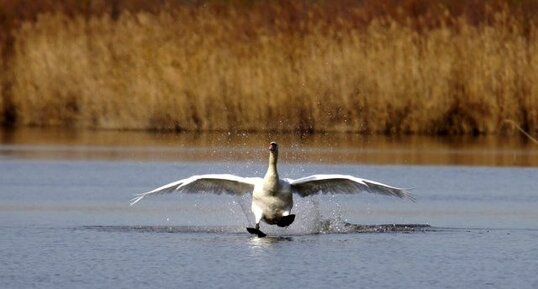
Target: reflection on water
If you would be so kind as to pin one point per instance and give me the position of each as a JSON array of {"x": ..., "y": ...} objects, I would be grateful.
[{"x": 323, "y": 148}]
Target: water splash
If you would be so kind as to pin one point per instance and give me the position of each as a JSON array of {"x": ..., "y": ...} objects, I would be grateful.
[{"x": 245, "y": 202}]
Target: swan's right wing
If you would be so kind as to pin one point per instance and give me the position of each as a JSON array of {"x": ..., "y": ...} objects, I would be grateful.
[{"x": 217, "y": 184}]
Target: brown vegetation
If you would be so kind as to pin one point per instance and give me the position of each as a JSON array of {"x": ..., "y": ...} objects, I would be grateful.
[{"x": 412, "y": 66}]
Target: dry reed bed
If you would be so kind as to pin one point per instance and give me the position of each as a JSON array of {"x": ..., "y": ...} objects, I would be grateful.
[{"x": 195, "y": 71}]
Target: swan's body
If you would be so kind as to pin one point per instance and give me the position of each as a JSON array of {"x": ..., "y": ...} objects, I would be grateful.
[{"x": 272, "y": 197}]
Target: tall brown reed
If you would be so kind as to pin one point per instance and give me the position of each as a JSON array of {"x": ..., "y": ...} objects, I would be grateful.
[{"x": 230, "y": 68}]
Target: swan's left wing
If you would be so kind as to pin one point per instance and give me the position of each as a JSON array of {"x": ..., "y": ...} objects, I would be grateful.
[
  {"x": 217, "y": 184},
  {"x": 343, "y": 184}
]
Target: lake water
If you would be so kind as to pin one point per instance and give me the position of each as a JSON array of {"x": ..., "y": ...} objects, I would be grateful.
[{"x": 65, "y": 220}]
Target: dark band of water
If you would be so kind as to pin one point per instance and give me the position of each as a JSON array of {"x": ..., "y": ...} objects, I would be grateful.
[{"x": 326, "y": 228}]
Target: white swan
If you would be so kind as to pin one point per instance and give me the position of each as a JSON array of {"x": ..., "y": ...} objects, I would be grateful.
[{"x": 272, "y": 197}]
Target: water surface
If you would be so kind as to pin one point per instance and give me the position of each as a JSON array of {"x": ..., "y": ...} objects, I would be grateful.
[{"x": 65, "y": 221}]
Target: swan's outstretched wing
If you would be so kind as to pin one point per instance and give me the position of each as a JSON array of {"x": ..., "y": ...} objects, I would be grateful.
[
  {"x": 217, "y": 184},
  {"x": 343, "y": 184}
]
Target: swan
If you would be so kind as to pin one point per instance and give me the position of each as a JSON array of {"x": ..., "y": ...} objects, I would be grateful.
[{"x": 272, "y": 197}]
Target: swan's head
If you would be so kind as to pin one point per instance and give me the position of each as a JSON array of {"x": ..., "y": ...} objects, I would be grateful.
[{"x": 273, "y": 147}]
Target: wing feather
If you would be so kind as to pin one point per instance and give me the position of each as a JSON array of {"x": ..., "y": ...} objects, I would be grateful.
[
  {"x": 343, "y": 184},
  {"x": 216, "y": 183}
]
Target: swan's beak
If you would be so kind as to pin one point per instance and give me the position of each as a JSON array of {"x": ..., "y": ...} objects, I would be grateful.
[{"x": 273, "y": 147}]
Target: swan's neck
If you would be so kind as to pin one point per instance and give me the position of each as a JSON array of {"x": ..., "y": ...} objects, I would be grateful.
[{"x": 272, "y": 174}]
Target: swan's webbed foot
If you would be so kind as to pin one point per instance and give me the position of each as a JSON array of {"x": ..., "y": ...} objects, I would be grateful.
[
  {"x": 256, "y": 231},
  {"x": 286, "y": 221}
]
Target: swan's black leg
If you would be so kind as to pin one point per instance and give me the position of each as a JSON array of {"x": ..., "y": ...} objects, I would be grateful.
[
  {"x": 286, "y": 221},
  {"x": 256, "y": 231}
]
